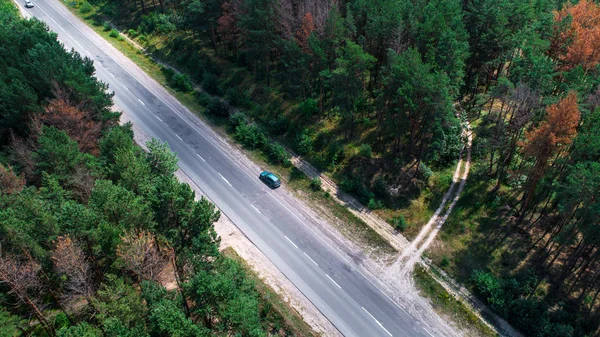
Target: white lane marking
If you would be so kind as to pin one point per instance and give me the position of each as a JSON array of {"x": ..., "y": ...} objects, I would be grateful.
[
  {"x": 199, "y": 156},
  {"x": 227, "y": 181},
  {"x": 256, "y": 209},
  {"x": 330, "y": 279},
  {"x": 113, "y": 75},
  {"x": 335, "y": 250},
  {"x": 141, "y": 102},
  {"x": 430, "y": 334},
  {"x": 158, "y": 118},
  {"x": 185, "y": 118},
  {"x": 376, "y": 321},
  {"x": 180, "y": 139},
  {"x": 292, "y": 242},
  {"x": 313, "y": 261},
  {"x": 302, "y": 222},
  {"x": 125, "y": 87}
]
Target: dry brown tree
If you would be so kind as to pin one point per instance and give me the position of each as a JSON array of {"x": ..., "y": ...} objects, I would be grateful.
[
  {"x": 70, "y": 260},
  {"x": 22, "y": 278},
  {"x": 9, "y": 181},
  {"x": 142, "y": 255}
]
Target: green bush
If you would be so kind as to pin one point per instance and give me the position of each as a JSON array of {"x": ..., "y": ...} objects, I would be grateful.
[
  {"x": 296, "y": 174},
  {"x": 444, "y": 262},
  {"x": 250, "y": 136},
  {"x": 424, "y": 172},
  {"x": 315, "y": 184},
  {"x": 304, "y": 143},
  {"x": 168, "y": 72},
  {"x": 133, "y": 33},
  {"x": 237, "y": 118},
  {"x": 106, "y": 26},
  {"x": 85, "y": 8},
  {"x": 278, "y": 125},
  {"x": 356, "y": 187},
  {"x": 182, "y": 82},
  {"x": 238, "y": 97},
  {"x": 203, "y": 98},
  {"x": 375, "y": 204},
  {"x": 114, "y": 33},
  {"x": 335, "y": 155},
  {"x": 365, "y": 151},
  {"x": 309, "y": 107},
  {"x": 380, "y": 187},
  {"x": 399, "y": 223},
  {"x": 210, "y": 83},
  {"x": 217, "y": 107},
  {"x": 276, "y": 153}
]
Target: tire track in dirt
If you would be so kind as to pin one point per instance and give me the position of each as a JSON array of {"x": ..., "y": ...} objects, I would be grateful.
[{"x": 398, "y": 276}]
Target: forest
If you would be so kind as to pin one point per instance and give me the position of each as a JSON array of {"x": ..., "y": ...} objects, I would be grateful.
[
  {"x": 98, "y": 237},
  {"x": 376, "y": 94}
]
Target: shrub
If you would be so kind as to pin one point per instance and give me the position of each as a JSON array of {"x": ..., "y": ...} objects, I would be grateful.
[
  {"x": 309, "y": 107},
  {"x": 375, "y": 204},
  {"x": 277, "y": 154},
  {"x": 399, "y": 223},
  {"x": 304, "y": 143},
  {"x": 296, "y": 174},
  {"x": 358, "y": 189},
  {"x": 114, "y": 33},
  {"x": 315, "y": 184},
  {"x": 133, "y": 33},
  {"x": 380, "y": 187},
  {"x": 322, "y": 139},
  {"x": 210, "y": 83},
  {"x": 490, "y": 287},
  {"x": 236, "y": 119},
  {"x": 365, "y": 151},
  {"x": 106, "y": 26},
  {"x": 445, "y": 262},
  {"x": 217, "y": 107},
  {"x": 238, "y": 97},
  {"x": 203, "y": 98},
  {"x": 182, "y": 82},
  {"x": 168, "y": 72},
  {"x": 85, "y": 8},
  {"x": 278, "y": 125},
  {"x": 425, "y": 172},
  {"x": 250, "y": 136},
  {"x": 335, "y": 155}
]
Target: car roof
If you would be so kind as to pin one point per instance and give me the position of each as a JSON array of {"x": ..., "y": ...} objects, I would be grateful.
[{"x": 272, "y": 176}]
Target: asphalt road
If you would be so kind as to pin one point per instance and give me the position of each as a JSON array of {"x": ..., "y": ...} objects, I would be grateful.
[{"x": 331, "y": 281}]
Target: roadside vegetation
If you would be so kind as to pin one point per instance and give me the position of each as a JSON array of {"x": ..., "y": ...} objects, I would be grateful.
[
  {"x": 98, "y": 237},
  {"x": 373, "y": 93},
  {"x": 447, "y": 305}
]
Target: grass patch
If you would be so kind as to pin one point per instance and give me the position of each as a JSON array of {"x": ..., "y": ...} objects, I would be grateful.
[
  {"x": 279, "y": 311},
  {"x": 447, "y": 305}
]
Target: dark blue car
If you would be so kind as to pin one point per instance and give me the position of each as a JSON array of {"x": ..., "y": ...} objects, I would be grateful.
[{"x": 270, "y": 179}]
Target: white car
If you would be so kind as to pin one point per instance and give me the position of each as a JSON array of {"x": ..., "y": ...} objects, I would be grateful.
[{"x": 28, "y": 4}]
